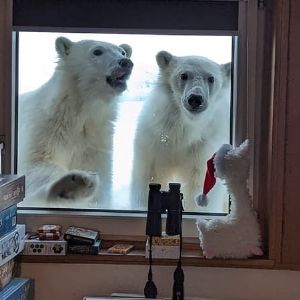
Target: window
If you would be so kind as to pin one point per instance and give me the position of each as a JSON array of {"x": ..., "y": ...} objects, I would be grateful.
[
  {"x": 267, "y": 33},
  {"x": 37, "y": 61},
  {"x": 221, "y": 19}
]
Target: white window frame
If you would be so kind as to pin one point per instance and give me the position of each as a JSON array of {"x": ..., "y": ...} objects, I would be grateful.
[{"x": 246, "y": 124}]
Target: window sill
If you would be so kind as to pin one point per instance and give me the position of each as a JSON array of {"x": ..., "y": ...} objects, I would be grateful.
[
  {"x": 128, "y": 229},
  {"x": 137, "y": 257}
]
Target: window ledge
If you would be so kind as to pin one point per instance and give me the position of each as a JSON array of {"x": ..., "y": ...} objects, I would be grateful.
[{"x": 137, "y": 257}]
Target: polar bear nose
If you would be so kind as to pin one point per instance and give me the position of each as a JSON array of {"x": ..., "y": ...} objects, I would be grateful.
[
  {"x": 125, "y": 63},
  {"x": 195, "y": 101}
]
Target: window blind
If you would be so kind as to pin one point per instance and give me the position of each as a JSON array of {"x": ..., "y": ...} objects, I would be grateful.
[{"x": 126, "y": 14}]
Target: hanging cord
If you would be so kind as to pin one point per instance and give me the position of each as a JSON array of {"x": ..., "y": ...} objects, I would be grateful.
[
  {"x": 150, "y": 261},
  {"x": 178, "y": 288},
  {"x": 150, "y": 290}
]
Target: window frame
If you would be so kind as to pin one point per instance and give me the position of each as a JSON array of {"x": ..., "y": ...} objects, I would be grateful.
[
  {"x": 239, "y": 46},
  {"x": 249, "y": 88}
]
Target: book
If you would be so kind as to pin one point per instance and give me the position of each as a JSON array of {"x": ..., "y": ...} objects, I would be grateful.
[
  {"x": 8, "y": 220},
  {"x": 12, "y": 244},
  {"x": 85, "y": 249},
  {"x": 80, "y": 235},
  {"x": 49, "y": 228},
  {"x": 12, "y": 190},
  {"x": 120, "y": 249},
  {"x": 17, "y": 289},
  {"x": 50, "y": 236},
  {"x": 6, "y": 271}
]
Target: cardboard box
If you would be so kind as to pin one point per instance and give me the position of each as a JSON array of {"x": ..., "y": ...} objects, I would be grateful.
[
  {"x": 44, "y": 247},
  {"x": 6, "y": 273},
  {"x": 12, "y": 244},
  {"x": 8, "y": 220},
  {"x": 164, "y": 247},
  {"x": 18, "y": 289},
  {"x": 12, "y": 190},
  {"x": 166, "y": 240}
]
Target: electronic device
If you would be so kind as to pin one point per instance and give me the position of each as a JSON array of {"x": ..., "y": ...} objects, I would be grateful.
[
  {"x": 37, "y": 247},
  {"x": 80, "y": 235},
  {"x": 85, "y": 249}
]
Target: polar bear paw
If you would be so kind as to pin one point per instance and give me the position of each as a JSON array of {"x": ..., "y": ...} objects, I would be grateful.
[{"x": 74, "y": 185}]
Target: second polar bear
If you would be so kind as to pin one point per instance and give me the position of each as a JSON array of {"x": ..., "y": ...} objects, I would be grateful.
[
  {"x": 66, "y": 126},
  {"x": 181, "y": 124}
]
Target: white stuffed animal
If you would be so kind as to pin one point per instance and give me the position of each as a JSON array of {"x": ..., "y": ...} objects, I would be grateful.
[{"x": 238, "y": 235}]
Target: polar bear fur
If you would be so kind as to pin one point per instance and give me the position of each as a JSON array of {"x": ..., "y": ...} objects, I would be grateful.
[
  {"x": 66, "y": 126},
  {"x": 184, "y": 120}
]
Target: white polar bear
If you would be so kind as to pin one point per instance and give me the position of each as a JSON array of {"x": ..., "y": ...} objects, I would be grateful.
[
  {"x": 66, "y": 126},
  {"x": 181, "y": 124}
]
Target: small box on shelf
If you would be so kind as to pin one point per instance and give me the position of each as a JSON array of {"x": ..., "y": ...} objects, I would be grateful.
[{"x": 166, "y": 246}]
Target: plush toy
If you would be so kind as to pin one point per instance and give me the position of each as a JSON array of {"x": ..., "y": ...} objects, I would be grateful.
[{"x": 238, "y": 234}]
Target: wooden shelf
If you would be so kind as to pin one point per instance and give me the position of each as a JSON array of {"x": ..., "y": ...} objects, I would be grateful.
[{"x": 137, "y": 257}]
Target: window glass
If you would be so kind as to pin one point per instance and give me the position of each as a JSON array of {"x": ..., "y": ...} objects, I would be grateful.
[{"x": 188, "y": 127}]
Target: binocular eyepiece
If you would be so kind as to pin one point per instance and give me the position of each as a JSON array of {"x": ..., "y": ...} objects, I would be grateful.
[{"x": 161, "y": 202}]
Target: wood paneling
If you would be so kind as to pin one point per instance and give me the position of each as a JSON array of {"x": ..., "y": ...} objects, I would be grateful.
[
  {"x": 5, "y": 75},
  {"x": 291, "y": 224},
  {"x": 275, "y": 197}
]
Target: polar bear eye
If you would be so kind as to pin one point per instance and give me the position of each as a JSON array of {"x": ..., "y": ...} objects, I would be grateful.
[
  {"x": 123, "y": 53},
  {"x": 97, "y": 52},
  {"x": 211, "y": 79},
  {"x": 183, "y": 76}
]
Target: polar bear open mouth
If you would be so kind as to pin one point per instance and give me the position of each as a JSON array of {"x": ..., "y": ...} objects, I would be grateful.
[{"x": 118, "y": 79}]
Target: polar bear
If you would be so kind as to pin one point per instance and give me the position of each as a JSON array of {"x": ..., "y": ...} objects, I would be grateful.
[
  {"x": 66, "y": 126},
  {"x": 181, "y": 124}
]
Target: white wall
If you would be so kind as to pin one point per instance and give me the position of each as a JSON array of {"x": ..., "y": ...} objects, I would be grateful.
[{"x": 73, "y": 281}]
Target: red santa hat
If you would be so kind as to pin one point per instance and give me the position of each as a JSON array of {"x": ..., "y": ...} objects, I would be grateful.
[{"x": 209, "y": 182}]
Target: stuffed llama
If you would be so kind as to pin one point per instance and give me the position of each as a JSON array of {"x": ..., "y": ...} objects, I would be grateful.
[{"x": 238, "y": 235}]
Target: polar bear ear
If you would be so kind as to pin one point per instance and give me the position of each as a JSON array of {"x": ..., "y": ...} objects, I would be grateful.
[
  {"x": 163, "y": 59},
  {"x": 227, "y": 70},
  {"x": 63, "y": 46},
  {"x": 127, "y": 49}
]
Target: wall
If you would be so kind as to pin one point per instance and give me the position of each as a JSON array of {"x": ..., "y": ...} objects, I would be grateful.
[{"x": 72, "y": 282}]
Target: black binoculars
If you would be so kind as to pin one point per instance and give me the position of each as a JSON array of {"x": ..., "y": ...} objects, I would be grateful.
[{"x": 161, "y": 202}]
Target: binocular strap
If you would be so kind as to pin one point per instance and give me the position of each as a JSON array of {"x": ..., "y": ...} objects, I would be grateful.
[
  {"x": 178, "y": 288},
  {"x": 150, "y": 290}
]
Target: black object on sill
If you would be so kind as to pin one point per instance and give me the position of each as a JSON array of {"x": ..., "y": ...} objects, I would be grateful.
[
  {"x": 161, "y": 202},
  {"x": 150, "y": 290}
]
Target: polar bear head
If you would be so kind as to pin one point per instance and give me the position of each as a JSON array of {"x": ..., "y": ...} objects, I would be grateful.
[
  {"x": 98, "y": 67},
  {"x": 196, "y": 82}
]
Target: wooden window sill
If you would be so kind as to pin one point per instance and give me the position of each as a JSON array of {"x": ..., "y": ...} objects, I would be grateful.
[
  {"x": 137, "y": 257},
  {"x": 191, "y": 256}
]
